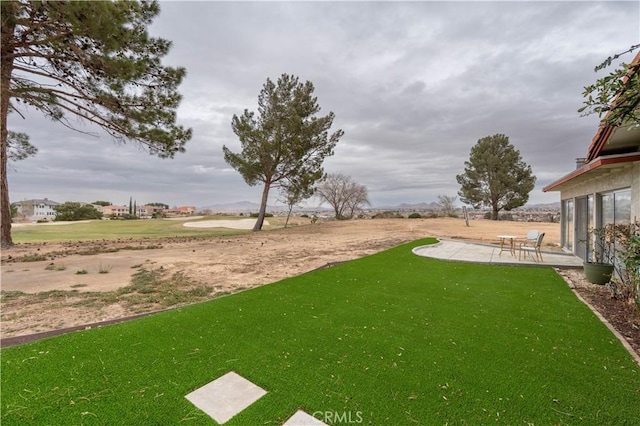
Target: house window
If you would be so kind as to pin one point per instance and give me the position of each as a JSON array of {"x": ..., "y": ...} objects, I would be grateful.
[
  {"x": 567, "y": 228},
  {"x": 616, "y": 207}
]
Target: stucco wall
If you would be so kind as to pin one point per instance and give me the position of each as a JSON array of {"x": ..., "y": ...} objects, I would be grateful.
[{"x": 628, "y": 176}]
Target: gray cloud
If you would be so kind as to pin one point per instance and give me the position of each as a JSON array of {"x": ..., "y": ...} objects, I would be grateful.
[{"x": 414, "y": 85}]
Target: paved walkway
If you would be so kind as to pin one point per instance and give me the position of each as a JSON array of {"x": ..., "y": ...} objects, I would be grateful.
[{"x": 486, "y": 253}]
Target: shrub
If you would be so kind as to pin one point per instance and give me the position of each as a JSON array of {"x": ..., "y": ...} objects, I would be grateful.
[
  {"x": 104, "y": 269},
  {"x": 257, "y": 214},
  {"x": 506, "y": 216},
  {"x": 625, "y": 240},
  {"x": 53, "y": 267},
  {"x": 415, "y": 216},
  {"x": 388, "y": 215}
]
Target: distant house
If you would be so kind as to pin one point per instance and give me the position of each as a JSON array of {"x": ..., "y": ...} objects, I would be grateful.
[
  {"x": 115, "y": 211},
  {"x": 182, "y": 211},
  {"x": 604, "y": 188},
  {"x": 35, "y": 210},
  {"x": 152, "y": 210}
]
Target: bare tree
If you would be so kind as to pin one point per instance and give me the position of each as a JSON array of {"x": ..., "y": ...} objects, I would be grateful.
[
  {"x": 447, "y": 204},
  {"x": 296, "y": 190},
  {"x": 343, "y": 194}
]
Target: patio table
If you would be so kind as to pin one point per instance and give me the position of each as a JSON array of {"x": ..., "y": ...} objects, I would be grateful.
[{"x": 510, "y": 246}]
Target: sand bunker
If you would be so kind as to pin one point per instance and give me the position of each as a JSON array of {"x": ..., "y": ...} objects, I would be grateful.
[
  {"x": 233, "y": 224},
  {"x": 184, "y": 218}
]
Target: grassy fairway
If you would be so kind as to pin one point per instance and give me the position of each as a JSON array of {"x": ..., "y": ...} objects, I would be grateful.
[
  {"x": 393, "y": 338},
  {"x": 114, "y": 229}
]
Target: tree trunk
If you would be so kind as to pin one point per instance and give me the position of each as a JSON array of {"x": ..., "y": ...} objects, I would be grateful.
[
  {"x": 288, "y": 215},
  {"x": 494, "y": 214},
  {"x": 263, "y": 207},
  {"x": 6, "y": 69}
]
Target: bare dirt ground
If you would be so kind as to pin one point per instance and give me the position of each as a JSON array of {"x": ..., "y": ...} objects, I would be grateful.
[{"x": 52, "y": 286}]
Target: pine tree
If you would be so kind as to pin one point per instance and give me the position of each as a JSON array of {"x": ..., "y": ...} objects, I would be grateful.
[
  {"x": 286, "y": 143},
  {"x": 89, "y": 60},
  {"x": 495, "y": 176}
]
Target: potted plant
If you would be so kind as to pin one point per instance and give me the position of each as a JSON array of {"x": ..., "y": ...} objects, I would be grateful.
[{"x": 599, "y": 266}]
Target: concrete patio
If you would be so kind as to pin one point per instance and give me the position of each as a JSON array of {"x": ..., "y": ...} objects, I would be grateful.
[{"x": 486, "y": 253}]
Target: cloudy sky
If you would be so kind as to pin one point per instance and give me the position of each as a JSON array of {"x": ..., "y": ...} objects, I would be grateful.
[{"x": 413, "y": 85}]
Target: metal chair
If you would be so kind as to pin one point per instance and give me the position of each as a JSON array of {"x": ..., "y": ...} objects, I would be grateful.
[
  {"x": 531, "y": 238},
  {"x": 535, "y": 250}
]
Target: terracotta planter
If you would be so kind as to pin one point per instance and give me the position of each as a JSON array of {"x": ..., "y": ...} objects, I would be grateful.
[{"x": 598, "y": 273}]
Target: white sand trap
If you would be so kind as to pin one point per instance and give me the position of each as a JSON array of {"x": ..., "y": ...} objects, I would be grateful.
[
  {"x": 184, "y": 218},
  {"x": 300, "y": 418},
  {"x": 233, "y": 224},
  {"x": 226, "y": 396}
]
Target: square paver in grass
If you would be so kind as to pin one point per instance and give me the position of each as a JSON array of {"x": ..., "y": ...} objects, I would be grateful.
[
  {"x": 226, "y": 396},
  {"x": 300, "y": 418}
]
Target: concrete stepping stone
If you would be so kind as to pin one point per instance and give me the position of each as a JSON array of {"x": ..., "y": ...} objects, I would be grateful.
[
  {"x": 226, "y": 396},
  {"x": 300, "y": 418}
]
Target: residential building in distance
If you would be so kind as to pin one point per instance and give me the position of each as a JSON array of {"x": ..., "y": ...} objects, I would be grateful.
[
  {"x": 181, "y": 211},
  {"x": 115, "y": 211},
  {"x": 152, "y": 211},
  {"x": 37, "y": 209}
]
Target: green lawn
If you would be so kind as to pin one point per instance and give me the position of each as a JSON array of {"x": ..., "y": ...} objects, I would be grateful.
[
  {"x": 391, "y": 338},
  {"x": 114, "y": 229}
]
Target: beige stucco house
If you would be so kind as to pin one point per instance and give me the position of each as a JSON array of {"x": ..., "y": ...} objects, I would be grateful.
[{"x": 604, "y": 188}]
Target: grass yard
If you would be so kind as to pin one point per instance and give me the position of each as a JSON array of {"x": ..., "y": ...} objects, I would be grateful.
[
  {"x": 114, "y": 229},
  {"x": 390, "y": 339}
]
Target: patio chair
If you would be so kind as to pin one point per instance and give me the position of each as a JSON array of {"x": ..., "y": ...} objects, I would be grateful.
[
  {"x": 535, "y": 250},
  {"x": 530, "y": 239}
]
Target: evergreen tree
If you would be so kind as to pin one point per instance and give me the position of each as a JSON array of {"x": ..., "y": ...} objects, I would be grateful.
[
  {"x": 89, "y": 60},
  {"x": 495, "y": 176},
  {"x": 286, "y": 143},
  {"x": 76, "y": 211},
  {"x": 19, "y": 147}
]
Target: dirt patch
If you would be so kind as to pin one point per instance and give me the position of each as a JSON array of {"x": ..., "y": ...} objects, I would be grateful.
[{"x": 223, "y": 264}]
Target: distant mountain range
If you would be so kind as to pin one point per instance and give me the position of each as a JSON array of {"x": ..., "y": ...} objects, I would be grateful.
[{"x": 250, "y": 207}]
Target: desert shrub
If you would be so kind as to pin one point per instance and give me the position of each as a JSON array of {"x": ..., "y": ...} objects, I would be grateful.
[
  {"x": 503, "y": 216},
  {"x": 388, "y": 215},
  {"x": 53, "y": 267},
  {"x": 257, "y": 214},
  {"x": 304, "y": 215},
  {"x": 625, "y": 239},
  {"x": 415, "y": 216},
  {"x": 32, "y": 258},
  {"x": 432, "y": 215}
]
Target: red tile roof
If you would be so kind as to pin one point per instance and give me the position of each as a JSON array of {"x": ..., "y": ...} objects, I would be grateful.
[{"x": 604, "y": 131}]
